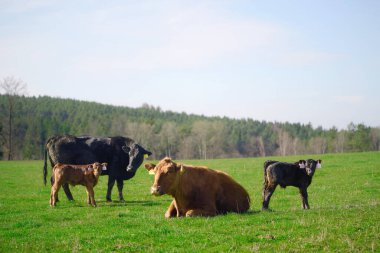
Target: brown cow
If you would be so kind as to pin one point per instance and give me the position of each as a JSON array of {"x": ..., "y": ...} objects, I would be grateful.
[
  {"x": 86, "y": 175},
  {"x": 197, "y": 191}
]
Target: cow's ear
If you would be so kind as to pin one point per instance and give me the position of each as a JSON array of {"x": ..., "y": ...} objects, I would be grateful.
[
  {"x": 167, "y": 159},
  {"x": 145, "y": 152},
  {"x": 181, "y": 169},
  {"x": 319, "y": 164},
  {"x": 149, "y": 166}
]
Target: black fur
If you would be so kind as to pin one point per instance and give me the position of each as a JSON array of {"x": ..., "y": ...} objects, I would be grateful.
[{"x": 288, "y": 174}]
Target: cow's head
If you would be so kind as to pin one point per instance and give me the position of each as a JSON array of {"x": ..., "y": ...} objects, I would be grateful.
[
  {"x": 311, "y": 165},
  {"x": 136, "y": 155},
  {"x": 98, "y": 167},
  {"x": 165, "y": 176},
  {"x": 302, "y": 164}
]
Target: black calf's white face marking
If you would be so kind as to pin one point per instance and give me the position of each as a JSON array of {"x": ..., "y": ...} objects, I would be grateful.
[{"x": 311, "y": 165}]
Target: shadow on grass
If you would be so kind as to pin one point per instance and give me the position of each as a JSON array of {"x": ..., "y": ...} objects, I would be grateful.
[
  {"x": 129, "y": 203},
  {"x": 103, "y": 203},
  {"x": 251, "y": 212}
]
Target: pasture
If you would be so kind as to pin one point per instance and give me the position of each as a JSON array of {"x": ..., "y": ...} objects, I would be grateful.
[{"x": 344, "y": 216}]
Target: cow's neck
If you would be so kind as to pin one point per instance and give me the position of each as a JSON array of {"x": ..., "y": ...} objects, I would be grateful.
[
  {"x": 96, "y": 179},
  {"x": 310, "y": 178},
  {"x": 176, "y": 188}
]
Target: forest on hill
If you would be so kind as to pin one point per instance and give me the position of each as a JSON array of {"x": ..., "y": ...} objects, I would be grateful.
[{"x": 166, "y": 133}]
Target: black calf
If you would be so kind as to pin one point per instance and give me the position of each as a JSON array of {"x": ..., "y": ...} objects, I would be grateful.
[{"x": 297, "y": 174}]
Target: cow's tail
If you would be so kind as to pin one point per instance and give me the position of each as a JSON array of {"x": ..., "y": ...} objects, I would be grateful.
[
  {"x": 265, "y": 173},
  {"x": 268, "y": 178},
  {"x": 45, "y": 165}
]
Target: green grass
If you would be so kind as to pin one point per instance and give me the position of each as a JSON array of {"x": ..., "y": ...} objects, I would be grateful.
[{"x": 344, "y": 214}]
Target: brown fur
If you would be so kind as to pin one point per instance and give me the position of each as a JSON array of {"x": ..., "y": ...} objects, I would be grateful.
[
  {"x": 86, "y": 175},
  {"x": 197, "y": 190}
]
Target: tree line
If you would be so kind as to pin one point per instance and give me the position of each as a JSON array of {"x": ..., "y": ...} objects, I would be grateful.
[{"x": 166, "y": 133}]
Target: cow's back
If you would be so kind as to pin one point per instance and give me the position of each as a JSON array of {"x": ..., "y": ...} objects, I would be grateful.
[
  {"x": 231, "y": 196},
  {"x": 67, "y": 149},
  {"x": 284, "y": 174},
  {"x": 71, "y": 174}
]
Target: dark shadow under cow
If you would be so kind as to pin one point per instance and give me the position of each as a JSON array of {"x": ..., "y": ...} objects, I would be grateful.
[
  {"x": 297, "y": 174},
  {"x": 123, "y": 156}
]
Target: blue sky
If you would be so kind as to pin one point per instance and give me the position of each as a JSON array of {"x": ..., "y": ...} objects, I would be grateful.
[{"x": 297, "y": 61}]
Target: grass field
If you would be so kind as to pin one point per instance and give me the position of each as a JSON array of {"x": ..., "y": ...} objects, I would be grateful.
[{"x": 344, "y": 215}]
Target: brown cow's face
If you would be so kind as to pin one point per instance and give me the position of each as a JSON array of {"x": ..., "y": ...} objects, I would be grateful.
[
  {"x": 98, "y": 167},
  {"x": 165, "y": 175}
]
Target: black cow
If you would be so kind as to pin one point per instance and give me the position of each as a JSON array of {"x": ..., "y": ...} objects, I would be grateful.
[
  {"x": 297, "y": 174},
  {"x": 122, "y": 154}
]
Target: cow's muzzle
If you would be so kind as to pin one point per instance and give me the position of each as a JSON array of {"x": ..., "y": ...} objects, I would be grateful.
[{"x": 156, "y": 191}]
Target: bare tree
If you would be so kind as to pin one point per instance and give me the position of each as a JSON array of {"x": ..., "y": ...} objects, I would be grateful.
[
  {"x": 169, "y": 138},
  {"x": 261, "y": 144},
  {"x": 284, "y": 141},
  {"x": 375, "y": 138},
  {"x": 12, "y": 88}
]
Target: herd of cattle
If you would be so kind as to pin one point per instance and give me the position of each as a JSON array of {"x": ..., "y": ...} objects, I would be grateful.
[{"x": 196, "y": 190}]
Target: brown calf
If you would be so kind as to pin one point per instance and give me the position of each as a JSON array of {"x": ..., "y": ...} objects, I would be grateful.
[
  {"x": 86, "y": 175},
  {"x": 197, "y": 191}
]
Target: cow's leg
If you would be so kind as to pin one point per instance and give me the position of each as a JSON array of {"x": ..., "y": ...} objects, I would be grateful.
[
  {"x": 90, "y": 192},
  {"x": 200, "y": 212},
  {"x": 304, "y": 197},
  {"x": 54, "y": 194},
  {"x": 52, "y": 183},
  {"x": 172, "y": 210},
  {"x": 88, "y": 197},
  {"x": 120, "y": 184},
  {"x": 267, "y": 194},
  {"x": 67, "y": 191},
  {"x": 111, "y": 182}
]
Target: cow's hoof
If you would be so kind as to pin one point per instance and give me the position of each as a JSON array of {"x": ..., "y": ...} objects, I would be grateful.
[
  {"x": 108, "y": 199},
  {"x": 168, "y": 216},
  {"x": 122, "y": 200}
]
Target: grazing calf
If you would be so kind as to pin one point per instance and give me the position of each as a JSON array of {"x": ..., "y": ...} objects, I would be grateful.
[
  {"x": 297, "y": 174},
  {"x": 197, "y": 190},
  {"x": 86, "y": 175}
]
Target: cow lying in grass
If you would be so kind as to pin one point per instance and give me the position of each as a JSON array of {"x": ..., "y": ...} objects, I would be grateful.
[
  {"x": 297, "y": 174},
  {"x": 197, "y": 191},
  {"x": 86, "y": 175}
]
